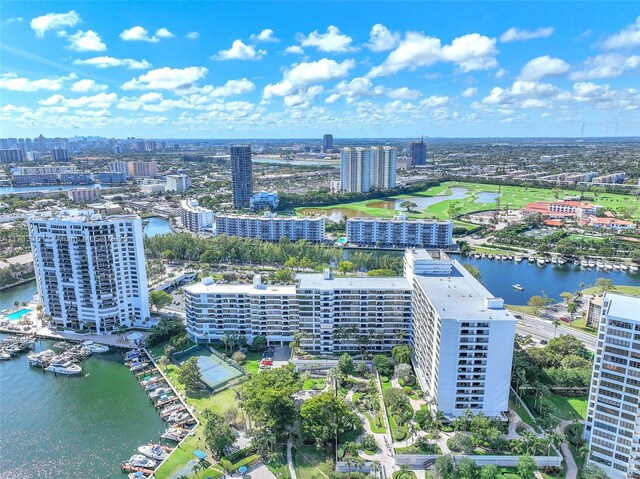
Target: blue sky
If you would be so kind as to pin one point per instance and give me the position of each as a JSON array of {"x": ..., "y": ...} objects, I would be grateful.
[{"x": 355, "y": 69}]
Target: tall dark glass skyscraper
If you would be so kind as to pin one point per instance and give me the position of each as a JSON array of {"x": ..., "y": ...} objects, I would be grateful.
[
  {"x": 327, "y": 143},
  {"x": 241, "y": 175},
  {"x": 418, "y": 152}
]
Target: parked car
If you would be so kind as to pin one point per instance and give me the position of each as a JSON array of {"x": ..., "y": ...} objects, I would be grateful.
[
  {"x": 565, "y": 319},
  {"x": 543, "y": 341},
  {"x": 518, "y": 316}
]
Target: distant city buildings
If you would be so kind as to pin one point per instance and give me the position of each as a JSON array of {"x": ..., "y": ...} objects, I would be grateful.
[
  {"x": 112, "y": 177},
  {"x": 264, "y": 199},
  {"x": 59, "y": 154},
  {"x": 11, "y": 155},
  {"x": 610, "y": 179},
  {"x": 418, "y": 152},
  {"x": 120, "y": 167},
  {"x": 383, "y": 168},
  {"x": 194, "y": 217},
  {"x": 34, "y": 156},
  {"x": 90, "y": 270},
  {"x": 241, "y": 175},
  {"x": 153, "y": 188},
  {"x": 51, "y": 175},
  {"x": 271, "y": 227},
  {"x": 145, "y": 169},
  {"x": 400, "y": 232},
  {"x": 355, "y": 170},
  {"x": 614, "y": 411},
  {"x": 177, "y": 183},
  {"x": 327, "y": 143},
  {"x": 117, "y": 150},
  {"x": 84, "y": 195}
]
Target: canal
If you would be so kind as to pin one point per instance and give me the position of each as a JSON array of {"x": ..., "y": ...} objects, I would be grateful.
[{"x": 85, "y": 427}]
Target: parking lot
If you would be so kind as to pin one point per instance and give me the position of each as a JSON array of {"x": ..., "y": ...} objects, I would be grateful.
[{"x": 275, "y": 357}]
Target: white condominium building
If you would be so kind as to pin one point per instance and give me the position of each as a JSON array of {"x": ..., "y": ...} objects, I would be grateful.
[
  {"x": 177, "y": 183},
  {"x": 462, "y": 338},
  {"x": 90, "y": 269},
  {"x": 340, "y": 314},
  {"x": 271, "y": 227},
  {"x": 383, "y": 170},
  {"x": 355, "y": 171},
  {"x": 613, "y": 413},
  {"x": 194, "y": 217},
  {"x": 400, "y": 231},
  {"x": 214, "y": 310}
]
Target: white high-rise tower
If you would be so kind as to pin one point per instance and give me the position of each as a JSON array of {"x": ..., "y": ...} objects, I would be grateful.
[
  {"x": 355, "y": 172},
  {"x": 383, "y": 170}
]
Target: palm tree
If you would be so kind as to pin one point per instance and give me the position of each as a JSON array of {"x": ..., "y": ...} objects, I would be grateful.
[
  {"x": 375, "y": 468},
  {"x": 556, "y": 323},
  {"x": 404, "y": 470},
  {"x": 527, "y": 437},
  {"x": 572, "y": 309}
]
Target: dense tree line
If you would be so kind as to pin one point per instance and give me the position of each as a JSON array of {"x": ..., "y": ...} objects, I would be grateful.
[{"x": 231, "y": 249}]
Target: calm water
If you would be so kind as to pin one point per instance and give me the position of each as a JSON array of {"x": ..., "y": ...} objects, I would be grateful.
[
  {"x": 60, "y": 427},
  {"x": 21, "y": 293},
  {"x": 156, "y": 226},
  {"x": 7, "y": 190},
  {"x": 423, "y": 202}
]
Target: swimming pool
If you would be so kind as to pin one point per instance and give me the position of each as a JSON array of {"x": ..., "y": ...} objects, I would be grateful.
[{"x": 16, "y": 315}]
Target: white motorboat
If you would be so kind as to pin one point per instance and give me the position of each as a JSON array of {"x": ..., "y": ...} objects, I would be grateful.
[
  {"x": 153, "y": 451},
  {"x": 152, "y": 386},
  {"x": 158, "y": 392},
  {"x": 624, "y": 267},
  {"x": 169, "y": 409},
  {"x": 518, "y": 287},
  {"x": 540, "y": 261},
  {"x": 178, "y": 417},
  {"x": 138, "y": 460},
  {"x": 616, "y": 267},
  {"x": 138, "y": 367},
  {"x": 94, "y": 347},
  {"x": 554, "y": 260},
  {"x": 518, "y": 258},
  {"x": 633, "y": 268},
  {"x": 532, "y": 259},
  {"x": 152, "y": 379},
  {"x": 562, "y": 261},
  {"x": 137, "y": 475},
  {"x": 65, "y": 367},
  {"x": 174, "y": 434},
  {"x": 4, "y": 356},
  {"x": 132, "y": 355}
]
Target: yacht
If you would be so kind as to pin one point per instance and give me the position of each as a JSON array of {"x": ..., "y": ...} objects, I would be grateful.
[
  {"x": 137, "y": 475},
  {"x": 158, "y": 392},
  {"x": 540, "y": 261},
  {"x": 132, "y": 355},
  {"x": 518, "y": 287},
  {"x": 138, "y": 460},
  {"x": 174, "y": 434},
  {"x": 532, "y": 259},
  {"x": 4, "y": 356},
  {"x": 518, "y": 258},
  {"x": 138, "y": 367},
  {"x": 178, "y": 417},
  {"x": 152, "y": 386},
  {"x": 591, "y": 263},
  {"x": 95, "y": 348},
  {"x": 152, "y": 379},
  {"x": 616, "y": 267},
  {"x": 554, "y": 260},
  {"x": 561, "y": 261},
  {"x": 64, "y": 366},
  {"x": 153, "y": 451},
  {"x": 169, "y": 409},
  {"x": 633, "y": 268},
  {"x": 624, "y": 267}
]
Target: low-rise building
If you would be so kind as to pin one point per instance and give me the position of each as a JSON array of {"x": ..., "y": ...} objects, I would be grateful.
[
  {"x": 264, "y": 199},
  {"x": 594, "y": 310},
  {"x": 177, "y": 183},
  {"x": 400, "y": 231},
  {"x": 271, "y": 227},
  {"x": 562, "y": 209},
  {"x": 195, "y": 218},
  {"x": 152, "y": 188},
  {"x": 113, "y": 177}
]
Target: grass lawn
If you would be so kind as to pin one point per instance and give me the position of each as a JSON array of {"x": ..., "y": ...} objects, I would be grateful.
[
  {"x": 579, "y": 324},
  {"x": 158, "y": 350},
  {"x": 182, "y": 456},
  {"x": 308, "y": 461},
  {"x": 278, "y": 466},
  {"x": 413, "y": 449},
  {"x": 403, "y": 475},
  {"x": 372, "y": 424},
  {"x": 518, "y": 308},
  {"x": 622, "y": 289},
  {"x": 252, "y": 363},
  {"x": 570, "y": 407},
  {"x": 316, "y": 384},
  {"x": 521, "y": 411}
]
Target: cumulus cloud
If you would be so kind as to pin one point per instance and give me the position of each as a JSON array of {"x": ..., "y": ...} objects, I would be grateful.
[
  {"x": 108, "y": 62},
  {"x": 333, "y": 41},
  {"x": 381, "y": 39},
  {"x": 295, "y": 49},
  {"x": 469, "y": 52},
  {"x": 628, "y": 37},
  {"x": 192, "y": 35},
  {"x": 101, "y": 100},
  {"x": 469, "y": 92},
  {"x": 86, "y": 85},
  {"x": 82, "y": 41},
  {"x": 403, "y": 93},
  {"x": 435, "y": 101},
  {"x": 140, "y": 34},
  {"x": 356, "y": 88},
  {"x": 608, "y": 65},
  {"x": 10, "y": 81},
  {"x": 230, "y": 88},
  {"x": 240, "y": 51},
  {"x": 167, "y": 79},
  {"x": 54, "y": 21},
  {"x": 265, "y": 35},
  {"x": 543, "y": 66},
  {"x": 516, "y": 34}
]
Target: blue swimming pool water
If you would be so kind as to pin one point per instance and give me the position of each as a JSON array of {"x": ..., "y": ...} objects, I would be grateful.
[{"x": 16, "y": 315}]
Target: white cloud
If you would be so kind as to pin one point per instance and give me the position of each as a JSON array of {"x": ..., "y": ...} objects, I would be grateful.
[
  {"x": 403, "y": 93},
  {"x": 140, "y": 34},
  {"x": 435, "y": 101},
  {"x": 8, "y": 21},
  {"x": 382, "y": 39},
  {"x": 231, "y": 87},
  {"x": 265, "y": 35},
  {"x": 628, "y": 37},
  {"x": 608, "y": 65},
  {"x": 469, "y": 92},
  {"x": 107, "y": 62},
  {"x": 516, "y": 34},
  {"x": 240, "y": 51},
  {"x": 134, "y": 104},
  {"x": 332, "y": 41},
  {"x": 86, "y": 85},
  {"x": 101, "y": 100},
  {"x": 54, "y": 21},
  {"x": 543, "y": 66},
  {"x": 167, "y": 79},
  {"x": 193, "y": 35},
  {"x": 469, "y": 52},
  {"x": 303, "y": 97},
  {"x": 501, "y": 73},
  {"x": 82, "y": 41},
  {"x": 295, "y": 49},
  {"x": 604, "y": 97},
  {"x": 10, "y": 81},
  {"x": 522, "y": 94},
  {"x": 356, "y": 88}
]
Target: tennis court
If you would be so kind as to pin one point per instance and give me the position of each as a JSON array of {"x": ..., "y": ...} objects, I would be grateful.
[{"x": 214, "y": 370}]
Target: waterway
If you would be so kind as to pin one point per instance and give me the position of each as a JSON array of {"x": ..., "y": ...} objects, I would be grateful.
[
  {"x": 8, "y": 190},
  {"x": 23, "y": 292},
  {"x": 156, "y": 226},
  {"x": 54, "y": 427}
]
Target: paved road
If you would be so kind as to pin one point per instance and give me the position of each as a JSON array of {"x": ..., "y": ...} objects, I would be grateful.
[{"x": 540, "y": 328}]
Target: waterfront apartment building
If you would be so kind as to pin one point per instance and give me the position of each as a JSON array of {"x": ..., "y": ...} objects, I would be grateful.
[
  {"x": 459, "y": 333},
  {"x": 327, "y": 142},
  {"x": 257, "y": 309},
  {"x": 241, "y": 175},
  {"x": 418, "y": 152},
  {"x": 46, "y": 170},
  {"x": 84, "y": 195},
  {"x": 112, "y": 177},
  {"x": 90, "y": 270},
  {"x": 59, "y": 154},
  {"x": 77, "y": 178},
  {"x": 271, "y": 227},
  {"x": 194, "y": 217},
  {"x": 355, "y": 170},
  {"x": 613, "y": 413},
  {"x": 120, "y": 167},
  {"x": 400, "y": 232},
  {"x": 383, "y": 167},
  {"x": 177, "y": 183}
]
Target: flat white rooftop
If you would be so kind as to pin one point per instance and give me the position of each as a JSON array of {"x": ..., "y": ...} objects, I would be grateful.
[
  {"x": 460, "y": 296},
  {"x": 248, "y": 289},
  {"x": 318, "y": 281},
  {"x": 622, "y": 306}
]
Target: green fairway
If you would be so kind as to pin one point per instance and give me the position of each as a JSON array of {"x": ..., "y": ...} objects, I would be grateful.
[
  {"x": 511, "y": 197},
  {"x": 570, "y": 407},
  {"x": 622, "y": 289}
]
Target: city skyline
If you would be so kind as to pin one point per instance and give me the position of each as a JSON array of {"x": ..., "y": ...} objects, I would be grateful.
[{"x": 499, "y": 70}]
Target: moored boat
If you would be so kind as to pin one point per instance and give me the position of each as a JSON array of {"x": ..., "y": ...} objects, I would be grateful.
[
  {"x": 64, "y": 366},
  {"x": 138, "y": 460},
  {"x": 153, "y": 451},
  {"x": 518, "y": 287}
]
